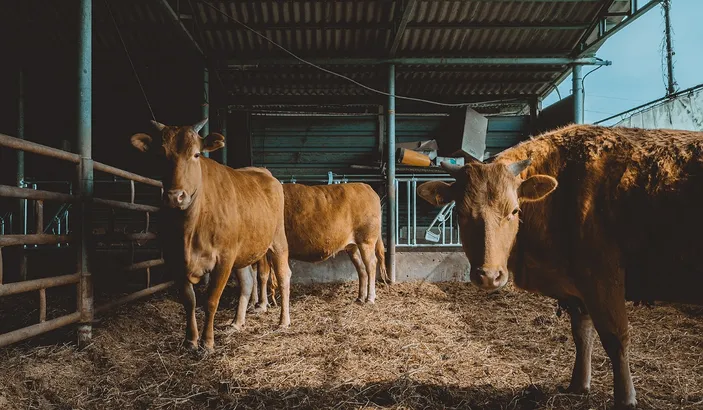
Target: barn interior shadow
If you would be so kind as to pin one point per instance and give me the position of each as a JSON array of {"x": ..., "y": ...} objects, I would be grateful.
[{"x": 401, "y": 393}]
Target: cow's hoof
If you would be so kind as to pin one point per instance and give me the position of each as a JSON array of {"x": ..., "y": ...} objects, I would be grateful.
[
  {"x": 234, "y": 328},
  {"x": 283, "y": 326},
  {"x": 359, "y": 301},
  {"x": 572, "y": 389},
  {"x": 370, "y": 301},
  {"x": 260, "y": 309},
  {"x": 208, "y": 349},
  {"x": 190, "y": 345}
]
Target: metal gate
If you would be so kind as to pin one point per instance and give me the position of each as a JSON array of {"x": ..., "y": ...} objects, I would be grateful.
[{"x": 85, "y": 310}]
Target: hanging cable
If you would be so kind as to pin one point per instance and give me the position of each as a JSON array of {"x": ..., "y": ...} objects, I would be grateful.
[
  {"x": 134, "y": 70},
  {"x": 295, "y": 56}
]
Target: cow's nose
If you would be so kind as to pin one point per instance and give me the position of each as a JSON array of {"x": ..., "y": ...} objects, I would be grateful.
[
  {"x": 177, "y": 197},
  {"x": 489, "y": 278}
]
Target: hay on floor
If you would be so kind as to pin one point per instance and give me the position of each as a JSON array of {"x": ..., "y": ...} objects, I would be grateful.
[{"x": 445, "y": 345}]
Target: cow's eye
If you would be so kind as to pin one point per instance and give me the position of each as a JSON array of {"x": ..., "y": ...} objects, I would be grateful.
[
  {"x": 515, "y": 211},
  {"x": 197, "y": 155}
]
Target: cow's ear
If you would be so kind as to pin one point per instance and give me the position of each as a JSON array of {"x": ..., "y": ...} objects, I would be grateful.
[
  {"x": 141, "y": 141},
  {"x": 536, "y": 187},
  {"x": 213, "y": 142},
  {"x": 437, "y": 193}
]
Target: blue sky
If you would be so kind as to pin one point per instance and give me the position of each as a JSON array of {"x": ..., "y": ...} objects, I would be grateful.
[{"x": 636, "y": 75}]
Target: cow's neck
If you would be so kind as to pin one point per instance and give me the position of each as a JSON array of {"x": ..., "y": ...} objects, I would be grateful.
[{"x": 532, "y": 242}]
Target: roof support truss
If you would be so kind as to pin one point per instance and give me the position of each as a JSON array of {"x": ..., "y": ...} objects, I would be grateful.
[
  {"x": 181, "y": 28},
  {"x": 407, "y": 9},
  {"x": 605, "y": 32}
]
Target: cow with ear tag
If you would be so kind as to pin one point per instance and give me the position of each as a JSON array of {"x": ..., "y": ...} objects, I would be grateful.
[
  {"x": 215, "y": 219},
  {"x": 618, "y": 228}
]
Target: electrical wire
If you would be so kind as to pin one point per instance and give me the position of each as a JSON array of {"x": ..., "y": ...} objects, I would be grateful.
[
  {"x": 134, "y": 70},
  {"x": 295, "y": 56}
]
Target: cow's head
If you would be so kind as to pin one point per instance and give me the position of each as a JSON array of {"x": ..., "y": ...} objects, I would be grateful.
[
  {"x": 180, "y": 151},
  {"x": 488, "y": 198}
]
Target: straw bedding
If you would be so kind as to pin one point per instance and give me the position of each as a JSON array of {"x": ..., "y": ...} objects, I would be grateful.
[{"x": 444, "y": 345}]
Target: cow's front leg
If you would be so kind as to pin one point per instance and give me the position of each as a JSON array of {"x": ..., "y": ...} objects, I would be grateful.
[
  {"x": 583, "y": 332},
  {"x": 188, "y": 300},
  {"x": 245, "y": 285},
  {"x": 220, "y": 275},
  {"x": 605, "y": 302}
]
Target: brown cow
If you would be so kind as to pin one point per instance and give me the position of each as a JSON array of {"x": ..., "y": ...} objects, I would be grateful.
[
  {"x": 215, "y": 219},
  {"x": 323, "y": 220},
  {"x": 623, "y": 224}
]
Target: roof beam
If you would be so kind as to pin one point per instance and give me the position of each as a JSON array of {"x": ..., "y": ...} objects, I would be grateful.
[
  {"x": 181, "y": 28},
  {"x": 509, "y": 61},
  {"x": 499, "y": 26},
  {"x": 603, "y": 36},
  {"x": 408, "y": 7}
]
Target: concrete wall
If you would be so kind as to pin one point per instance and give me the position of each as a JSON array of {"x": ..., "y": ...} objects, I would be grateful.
[{"x": 410, "y": 266}]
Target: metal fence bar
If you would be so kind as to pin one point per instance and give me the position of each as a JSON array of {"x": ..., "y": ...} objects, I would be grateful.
[
  {"x": 125, "y": 205},
  {"x": 144, "y": 265},
  {"x": 37, "y": 284},
  {"x": 133, "y": 296},
  {"x": 42, "y": 305},
  {"x": 34, "y": 330},
  {"x": 33, "y": 239}
]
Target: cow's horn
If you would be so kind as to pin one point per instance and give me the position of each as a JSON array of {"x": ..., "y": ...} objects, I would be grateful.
[
  {"x": 452, "y": 169},
  {"x": 517, "y": 167},
  {"x": 197, "y": 127},
  {"x": 159, "y": 126}
]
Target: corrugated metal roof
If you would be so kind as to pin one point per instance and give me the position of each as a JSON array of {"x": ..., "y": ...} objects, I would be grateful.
[{"x": 339, "y": 28}]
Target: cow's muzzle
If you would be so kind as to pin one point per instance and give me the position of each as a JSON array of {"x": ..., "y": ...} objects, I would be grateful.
[
  {"x": 177, "y": 198},
  {"x": 489, "y": 279}
]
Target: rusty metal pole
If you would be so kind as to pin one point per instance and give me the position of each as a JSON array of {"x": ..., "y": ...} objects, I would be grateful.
[
  {"x": 22, "y": 203},
  {"x": 205, "y": 113},
  {"x": 85, "y": 171},
  {"x": 391, "y": 214}
]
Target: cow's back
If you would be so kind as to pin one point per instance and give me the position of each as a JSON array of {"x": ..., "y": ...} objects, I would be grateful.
[
  {"x": 243, "y": 209},
  {"x": 632, "y": 194},
  {"x": 321, "y": 220}
]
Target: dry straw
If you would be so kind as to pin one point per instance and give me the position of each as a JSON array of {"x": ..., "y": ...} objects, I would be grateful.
[{"x": 422, "y": 346}]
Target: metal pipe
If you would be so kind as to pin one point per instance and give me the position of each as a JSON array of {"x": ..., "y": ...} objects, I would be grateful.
[
  {"x": 33, "y": 239},
  {"x": 224, "y": 133},
  {"x": 1, "y": 267},
  {"x": 42, "y": 305},
  {"x": 425, "y": 61},
  {"x": 85, "y": 168},
  {"x": 671, "y": 82},
  {"x": 144, "y": 265},
  {"x": 414, "y": 190},
  {"x": 124, "y": 237},
  {"x": 407, "y": 204},
  {"x": 391, "y": 182},
  {"x": 14, "y": 192},
  {"x": 125, "y": 205},
  {"x": 134, "y": 296},
  {"x": 39, "y": 216},
  {"x": 98, "y": 166},
  {"x": 36, "y": 284},
  {"x": 39, "y": 328},
  {"x": 205, "y": 106},
  {"x": 577, "y": 87}
]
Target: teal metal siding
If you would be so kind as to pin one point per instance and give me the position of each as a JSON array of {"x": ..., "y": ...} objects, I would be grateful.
[
  {"x": 313, "y": 145},
  {"x": 289, "y": 145}
]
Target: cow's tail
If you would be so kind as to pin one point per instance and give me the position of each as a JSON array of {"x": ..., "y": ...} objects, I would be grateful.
[{"x": 381, "y": 260}]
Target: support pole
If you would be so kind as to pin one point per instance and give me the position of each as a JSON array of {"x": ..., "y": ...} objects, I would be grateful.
[
  {"x": 22, "y": 203},
  {"x": 205, "y": 113},
  {"x": 390, "y": 215},
  {"x": 85, "y": 171},
  {"x": 671, "y": 82},
  {"x": 577, "y": 89},
  {"x": 225, "y": 112}
]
